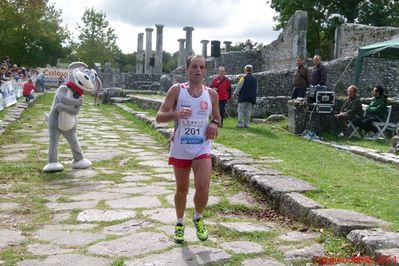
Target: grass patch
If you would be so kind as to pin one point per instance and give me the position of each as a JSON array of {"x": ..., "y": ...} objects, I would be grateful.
[
  {"x": 335, "y": 245},
  {"x": 344, "y": 180},
  {"x": 136, "y": 107}
]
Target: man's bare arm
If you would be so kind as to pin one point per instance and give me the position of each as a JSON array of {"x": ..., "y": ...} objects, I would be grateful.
[{"x": 166, "y": 112}]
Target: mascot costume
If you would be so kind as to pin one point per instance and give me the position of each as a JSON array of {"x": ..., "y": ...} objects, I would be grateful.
[{"x": 62, "y": 118}]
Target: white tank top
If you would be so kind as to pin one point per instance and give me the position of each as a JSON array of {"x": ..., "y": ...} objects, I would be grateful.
[{"x": 189, "y": 139}]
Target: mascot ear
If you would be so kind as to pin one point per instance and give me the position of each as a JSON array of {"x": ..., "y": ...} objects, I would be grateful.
[
  {"x": 74, "y": 65},
  {"x": 98, "y": 85}
]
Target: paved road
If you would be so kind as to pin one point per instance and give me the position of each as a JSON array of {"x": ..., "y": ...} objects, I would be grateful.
[{"x": 120, "y": 211}]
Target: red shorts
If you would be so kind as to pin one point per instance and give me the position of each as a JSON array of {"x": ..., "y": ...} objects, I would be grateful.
[{"x": 182, "y": 163}]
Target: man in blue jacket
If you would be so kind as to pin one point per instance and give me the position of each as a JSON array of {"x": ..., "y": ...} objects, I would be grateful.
[{"x": 246, "y": 91}]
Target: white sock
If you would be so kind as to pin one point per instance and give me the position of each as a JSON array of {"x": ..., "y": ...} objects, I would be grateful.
[
  {"x": 197, "y": 215},
  {"x": 180, "y": 221}
]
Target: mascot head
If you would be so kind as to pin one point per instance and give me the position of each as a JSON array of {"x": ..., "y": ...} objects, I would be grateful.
[{"x": 84, "y": 78}]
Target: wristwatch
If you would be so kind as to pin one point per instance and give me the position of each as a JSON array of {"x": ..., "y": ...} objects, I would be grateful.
[{"x": 215, "y": 122}]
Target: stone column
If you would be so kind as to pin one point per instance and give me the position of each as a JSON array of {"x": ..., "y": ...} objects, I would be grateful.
[
  {"x": 139, "y": 55},
  {"x": 297, "y": 111},
  {"x": 158, "y": 53},
  {"x": 299, "y": 30},
  {"x": 148, "y": 50},
  {"x": 189, "y": 40},
  {"x": 227, "y": 46},
  {"x": 182, "y": 52},
  {"x": 204, "y": 48}
]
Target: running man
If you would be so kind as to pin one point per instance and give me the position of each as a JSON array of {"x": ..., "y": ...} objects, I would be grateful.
[{"x": 191, "y": 105}]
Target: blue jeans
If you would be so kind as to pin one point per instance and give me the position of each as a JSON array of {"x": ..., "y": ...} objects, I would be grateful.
[
  {"x": 29, "y": 97},
  {"x": 222, "y": 105}
]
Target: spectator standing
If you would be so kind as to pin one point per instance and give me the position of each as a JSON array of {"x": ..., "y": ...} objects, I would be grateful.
[
  {"x": 351, "y": 109},
  {"x": 40, "y": 82},
  {"x": 319, "y": 72},
  {"x": 246, "y": 91},
  {"x": 28, "y": 89},
  {"x": 376, "y": 112},
  {"x": 3, "y": 70},
  {"x": 301, "y": 79},
  {"x": 7, "y": 61},
  {"x": 222, "y": 85}
]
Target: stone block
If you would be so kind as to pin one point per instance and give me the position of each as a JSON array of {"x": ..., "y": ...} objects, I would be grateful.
[
  {"x": 315, "y": 250},
  {"x": 192, "y": 255},
  {"x": 133, "y": 245},
  {"x": 343, "y": 221},
  {"x": 67, "y": 260},
  {"x": 276, "y": 185},
  {"x": 375, "y": 239},
  {"x": 9, "y": 237},
  {"x": 296, "y": 205}
]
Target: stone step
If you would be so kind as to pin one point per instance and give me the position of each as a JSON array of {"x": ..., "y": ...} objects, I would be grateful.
[
  {"x": 342, "y": 222},
  {"x": 374, "y": 239}
]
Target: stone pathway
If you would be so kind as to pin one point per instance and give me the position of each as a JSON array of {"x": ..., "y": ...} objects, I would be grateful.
[{"x": 120, "y": 211}]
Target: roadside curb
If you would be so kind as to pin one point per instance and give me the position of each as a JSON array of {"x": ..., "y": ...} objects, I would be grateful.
[{"x": 14, "y": 112}]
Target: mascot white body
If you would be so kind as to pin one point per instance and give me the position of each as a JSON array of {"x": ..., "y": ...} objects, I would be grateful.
[{"x": 62, "y": 118}]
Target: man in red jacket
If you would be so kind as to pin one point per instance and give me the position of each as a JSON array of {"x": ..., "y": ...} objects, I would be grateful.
[
  {"x": 222, "y": 85},
  {"x": 29, "y": 87}
]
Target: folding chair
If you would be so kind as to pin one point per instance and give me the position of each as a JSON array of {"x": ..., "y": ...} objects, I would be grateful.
[
  {"x": 355, "y": 129},
  {"x": 382, "y": 126}
]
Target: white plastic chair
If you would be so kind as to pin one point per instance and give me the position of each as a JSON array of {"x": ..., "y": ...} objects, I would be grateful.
[
  {"x": 355, "y": 129},
  {"x": 382, "y": 126}
]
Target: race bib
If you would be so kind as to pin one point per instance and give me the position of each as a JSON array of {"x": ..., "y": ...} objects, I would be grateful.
[{"x": 192, "y": 131}]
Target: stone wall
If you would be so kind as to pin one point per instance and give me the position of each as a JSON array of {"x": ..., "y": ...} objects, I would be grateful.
[
  {"x": 349, "y": 37},
  {"x": 234, "y": 62},
  {"x": 113, "y": 78},
  {"x": 264, "y": 107},
  {"x": 281, "y": 53}
]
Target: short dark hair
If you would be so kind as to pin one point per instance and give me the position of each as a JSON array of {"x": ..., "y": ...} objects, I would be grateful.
[
  {"x": 299, "y": 57},
  {"x": 188, "y": 62},
  {"x": 380, "y": 89}
]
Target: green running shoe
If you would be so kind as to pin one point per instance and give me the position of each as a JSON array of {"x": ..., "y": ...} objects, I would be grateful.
[
  {"x": 202, "y": 230},
  {"x": 178, "y": 237}
]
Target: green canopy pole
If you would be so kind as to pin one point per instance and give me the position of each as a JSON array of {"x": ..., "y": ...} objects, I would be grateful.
[{"x": 359, "y": 64}]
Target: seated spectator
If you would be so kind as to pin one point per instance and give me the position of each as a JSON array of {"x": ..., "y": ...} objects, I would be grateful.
[
  {"x": 28, "y": 89},
  {"x": 376, "y": 112},
  {"x": 351, "y": 109}
]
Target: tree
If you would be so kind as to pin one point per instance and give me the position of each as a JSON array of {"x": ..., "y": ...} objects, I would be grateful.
[
  {"x": 245, "y": 46},
  {"x": 31, "y": 32},
  {"x": 97, "y": 39},
  {"x": 325, "y": 15},
  {"x": 380, "y": 13},
  {"x": 169, "y": 61},
  {"x": 126, "y": 62}
]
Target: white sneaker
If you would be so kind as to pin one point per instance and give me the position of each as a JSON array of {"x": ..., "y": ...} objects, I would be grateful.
[
  {"x": 82, "y": 164},
  {"x": 53, "y": 167}
]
